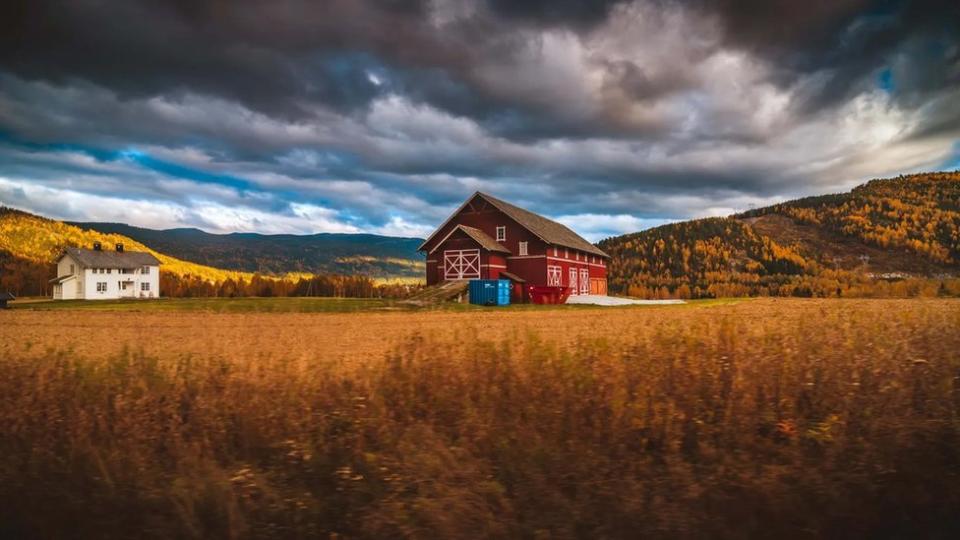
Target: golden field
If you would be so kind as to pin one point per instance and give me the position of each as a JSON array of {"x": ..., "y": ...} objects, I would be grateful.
[{"x": 762, "y": 418}]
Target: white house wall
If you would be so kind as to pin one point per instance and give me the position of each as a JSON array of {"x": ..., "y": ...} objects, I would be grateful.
[
  {"x": 68, "y": 289},
  {"x": 113, "y": 281},
  {"x": 84, "y": 286},
  {"x": 63, "y": 267}
]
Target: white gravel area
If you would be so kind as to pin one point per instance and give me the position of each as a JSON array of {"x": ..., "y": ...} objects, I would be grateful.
[{"x": 598, "y": 300}]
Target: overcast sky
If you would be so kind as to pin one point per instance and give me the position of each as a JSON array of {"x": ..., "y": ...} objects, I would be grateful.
[{"x": 382, "y": 116}]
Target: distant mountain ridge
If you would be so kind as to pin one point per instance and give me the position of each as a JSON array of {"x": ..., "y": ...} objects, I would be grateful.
[
  {"x": 889, "y": 236},
  {"x": 324, "y": 253}
]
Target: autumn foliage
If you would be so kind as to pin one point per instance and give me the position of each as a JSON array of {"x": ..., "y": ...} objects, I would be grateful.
[
  {"x": 918, "y": 215},
  {"x": 30, "y": 244}
]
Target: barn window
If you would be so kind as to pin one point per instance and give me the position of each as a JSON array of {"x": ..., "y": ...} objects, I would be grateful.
[
  {"x": 501, "y": 233},
  {"x": 555, "y": 251},
  {"x": 523, "y": 248},
  {"x": 566, "y": 253},
  {"x": 553, "y": 276},
  {"x": 578, "y": 255}
]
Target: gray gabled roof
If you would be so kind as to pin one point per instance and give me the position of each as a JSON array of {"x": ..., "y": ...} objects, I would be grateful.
[
  {"x": 91, "y": 258},
  {"x": 480, "y": 237},
  {"x": 547, "y": 230}
]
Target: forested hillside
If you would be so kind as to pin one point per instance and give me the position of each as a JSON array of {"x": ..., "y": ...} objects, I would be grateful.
[
  {"x": 29, "y": 244},
  {"x": 365, "y": 254},
  {"x": 888, "y": 237}
]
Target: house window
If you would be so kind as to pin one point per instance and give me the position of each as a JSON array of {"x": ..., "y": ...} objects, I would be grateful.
[
  {"x": 523, "y": 248},
  {"x": 144, "y": 286},
  {"x": 145, "y": 270},
  {"x": 501, "y": 233},
  {"x": 101, "y": 286},
  {"x": 109, "y": 271},
  {"x": 72, "y": 269},
  {"x": 553, "y": 276}
]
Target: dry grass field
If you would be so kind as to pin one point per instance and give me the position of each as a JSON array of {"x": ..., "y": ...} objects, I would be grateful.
[{"x": 761, "y": 418}]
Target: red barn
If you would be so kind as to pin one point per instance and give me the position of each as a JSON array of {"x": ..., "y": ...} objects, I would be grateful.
[{"x": 487, "y": 238}]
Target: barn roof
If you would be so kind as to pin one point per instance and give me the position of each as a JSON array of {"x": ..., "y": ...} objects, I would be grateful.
[
  {"x": 92, "y": 258},
  {"x": 547, "y": 230},
  {"x": 482, "y": 238}
]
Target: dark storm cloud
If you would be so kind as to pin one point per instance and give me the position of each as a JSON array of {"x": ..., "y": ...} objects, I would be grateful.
[
  {"x": 848, "y": 40},
  {"x": 574, "y": 13},
  {"x": 359, "y": 105}
]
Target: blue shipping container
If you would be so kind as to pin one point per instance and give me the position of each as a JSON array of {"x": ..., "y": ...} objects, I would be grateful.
[{"x": 490, "y": 292}]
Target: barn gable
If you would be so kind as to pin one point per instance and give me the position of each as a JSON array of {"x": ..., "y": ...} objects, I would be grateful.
[{"x": 481, "y": 238}]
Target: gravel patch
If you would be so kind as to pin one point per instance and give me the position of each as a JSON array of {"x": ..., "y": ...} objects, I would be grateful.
[{"x": 597, "y": 300}]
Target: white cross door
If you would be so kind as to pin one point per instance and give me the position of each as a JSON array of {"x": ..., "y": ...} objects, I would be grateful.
[
  {"x": 573, "y": 281},
  {"x": 461, "y": 264}
]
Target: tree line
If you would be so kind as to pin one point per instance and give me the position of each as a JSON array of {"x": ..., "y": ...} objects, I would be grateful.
[
  {"x": 24, "y": 277},
  {"x": 723, "y": 257}
]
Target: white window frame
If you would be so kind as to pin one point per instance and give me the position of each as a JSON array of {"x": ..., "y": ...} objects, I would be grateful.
[
  {"x": 145, "y": 286},
  {"x": 145, "y": 270},
  {"x": 522, "y": 248},
  {"x": 501, "y": 233},
  {"x": 101, "y": 287},
  {"x": 554, "y": 276}
]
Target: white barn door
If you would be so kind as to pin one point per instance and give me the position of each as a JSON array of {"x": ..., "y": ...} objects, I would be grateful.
[
  {"x": 573, "y": 281},
  {"x": 584, "y": 281},
  {"x": 461, "y": 264}
]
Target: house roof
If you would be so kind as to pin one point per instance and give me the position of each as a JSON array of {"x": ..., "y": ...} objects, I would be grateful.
[
  {"x": 547, "y": 230},
  {"x": 92, "y": 258},
  {"x": 61, "y": 279},
  {"x": 482, "y": 238}
]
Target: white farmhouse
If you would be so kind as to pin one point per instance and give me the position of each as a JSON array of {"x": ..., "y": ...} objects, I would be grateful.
[{"x": 98, "y": 274}]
